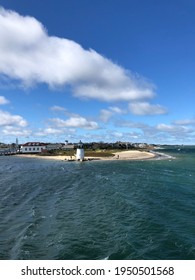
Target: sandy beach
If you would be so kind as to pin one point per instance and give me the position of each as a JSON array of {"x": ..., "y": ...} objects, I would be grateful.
[
  {"x": 134, "y": 155},
  {"x": 124, "y": 155}
]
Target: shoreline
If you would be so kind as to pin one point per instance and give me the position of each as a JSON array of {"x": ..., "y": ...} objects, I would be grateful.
[{"x": 123, "y": 155}]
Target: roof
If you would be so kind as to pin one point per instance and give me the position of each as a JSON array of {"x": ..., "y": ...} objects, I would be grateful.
[{"x": 34, "y": 144}]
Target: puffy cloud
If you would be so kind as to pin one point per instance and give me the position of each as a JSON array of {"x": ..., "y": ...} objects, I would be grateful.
[
  {"x": 145, "y": 108},
  {"x": 29, "y": 55},
  {"x": 16, "y": 131},
  {"x": 75, "y": 122},
  {"x": 106, "y": 114},
  {"x": 49, "y": 131},
  {"x": 3, "y": 100},
  {"x": 12, "y": 125},
  {"x": 117, "y": 110},
  {"x": 7, "y": 119},
  {"x": 46, "y": 131}
]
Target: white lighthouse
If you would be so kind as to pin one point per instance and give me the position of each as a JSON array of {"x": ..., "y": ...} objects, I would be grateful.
[{"x": 80, "y": 152}]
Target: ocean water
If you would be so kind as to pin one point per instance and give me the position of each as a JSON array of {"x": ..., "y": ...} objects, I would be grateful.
[{"x": 98, "y": 210}]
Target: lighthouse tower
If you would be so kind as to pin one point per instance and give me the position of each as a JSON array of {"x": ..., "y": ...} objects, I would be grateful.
[{"x": 80, "y": 152}]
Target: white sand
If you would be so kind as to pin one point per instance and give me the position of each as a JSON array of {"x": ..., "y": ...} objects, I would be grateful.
[
  {"x": 45, "y": 157},
  {"x": 134, "y": 155},
  {"x": 125, "y": 155}
]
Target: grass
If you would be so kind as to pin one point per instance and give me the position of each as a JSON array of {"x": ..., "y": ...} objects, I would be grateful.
[
  {"x": 98, "y": 153},
  {"x": 88, "y": 152}
]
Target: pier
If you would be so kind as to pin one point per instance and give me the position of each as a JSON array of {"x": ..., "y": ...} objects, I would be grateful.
[{"x": 7, "y": 153}]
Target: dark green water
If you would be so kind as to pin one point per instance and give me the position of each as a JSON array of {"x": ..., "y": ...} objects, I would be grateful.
[{"x": 98, "y": 210}]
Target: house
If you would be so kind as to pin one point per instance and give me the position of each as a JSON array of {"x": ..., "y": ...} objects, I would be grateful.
[
  {"x": 56, "y": 146},
  {"x": 68, "y": 147},
  {"x": 33, "y": 147}
]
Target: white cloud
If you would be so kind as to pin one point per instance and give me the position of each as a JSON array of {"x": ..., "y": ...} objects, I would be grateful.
[
  {"x": 173, "y": 128},
  {"x": 52, "y": 134},
  {"x": 75, "y": 122},
  {"x": 7, "y": 119},
  {"x": 29, "y": 55},
  {"x": 159, "y": 133},
  {"x": 144, "y": 108},
  {"x": 48, "y": 131},
  {"x": 175, "y": 133},
  {"x": 56, "y": 108},
  {"x": 166, "y": 127},
  {"x": 117, "y": 134},
  {"x": 3, "y": 100},
  {"x": 106, "y": 114},
  {"x": 16, "y": 131},
  {"x": 185, "y": 122},
  {"x": 117, "y": 110}
]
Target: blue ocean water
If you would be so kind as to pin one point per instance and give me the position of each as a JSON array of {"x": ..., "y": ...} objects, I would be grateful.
[{"x": 99, "y": 209}]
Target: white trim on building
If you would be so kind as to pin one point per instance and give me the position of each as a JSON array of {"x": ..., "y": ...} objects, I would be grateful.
[{"x": 33, "y": 147}]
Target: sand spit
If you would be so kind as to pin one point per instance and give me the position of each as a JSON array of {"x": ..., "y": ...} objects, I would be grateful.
[{"x": 124, "y": 155}]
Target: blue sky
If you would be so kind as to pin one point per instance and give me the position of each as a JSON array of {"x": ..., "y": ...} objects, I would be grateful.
[{"x": 97, "y": 70}]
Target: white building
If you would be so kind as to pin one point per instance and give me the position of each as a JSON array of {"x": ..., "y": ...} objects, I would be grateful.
[
  {"x": 80, "y": 152},
  {"x": 33, "y": 147}
]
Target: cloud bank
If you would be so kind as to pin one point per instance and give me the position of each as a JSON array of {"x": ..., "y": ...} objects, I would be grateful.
[{"x": 29, "y": 55}]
